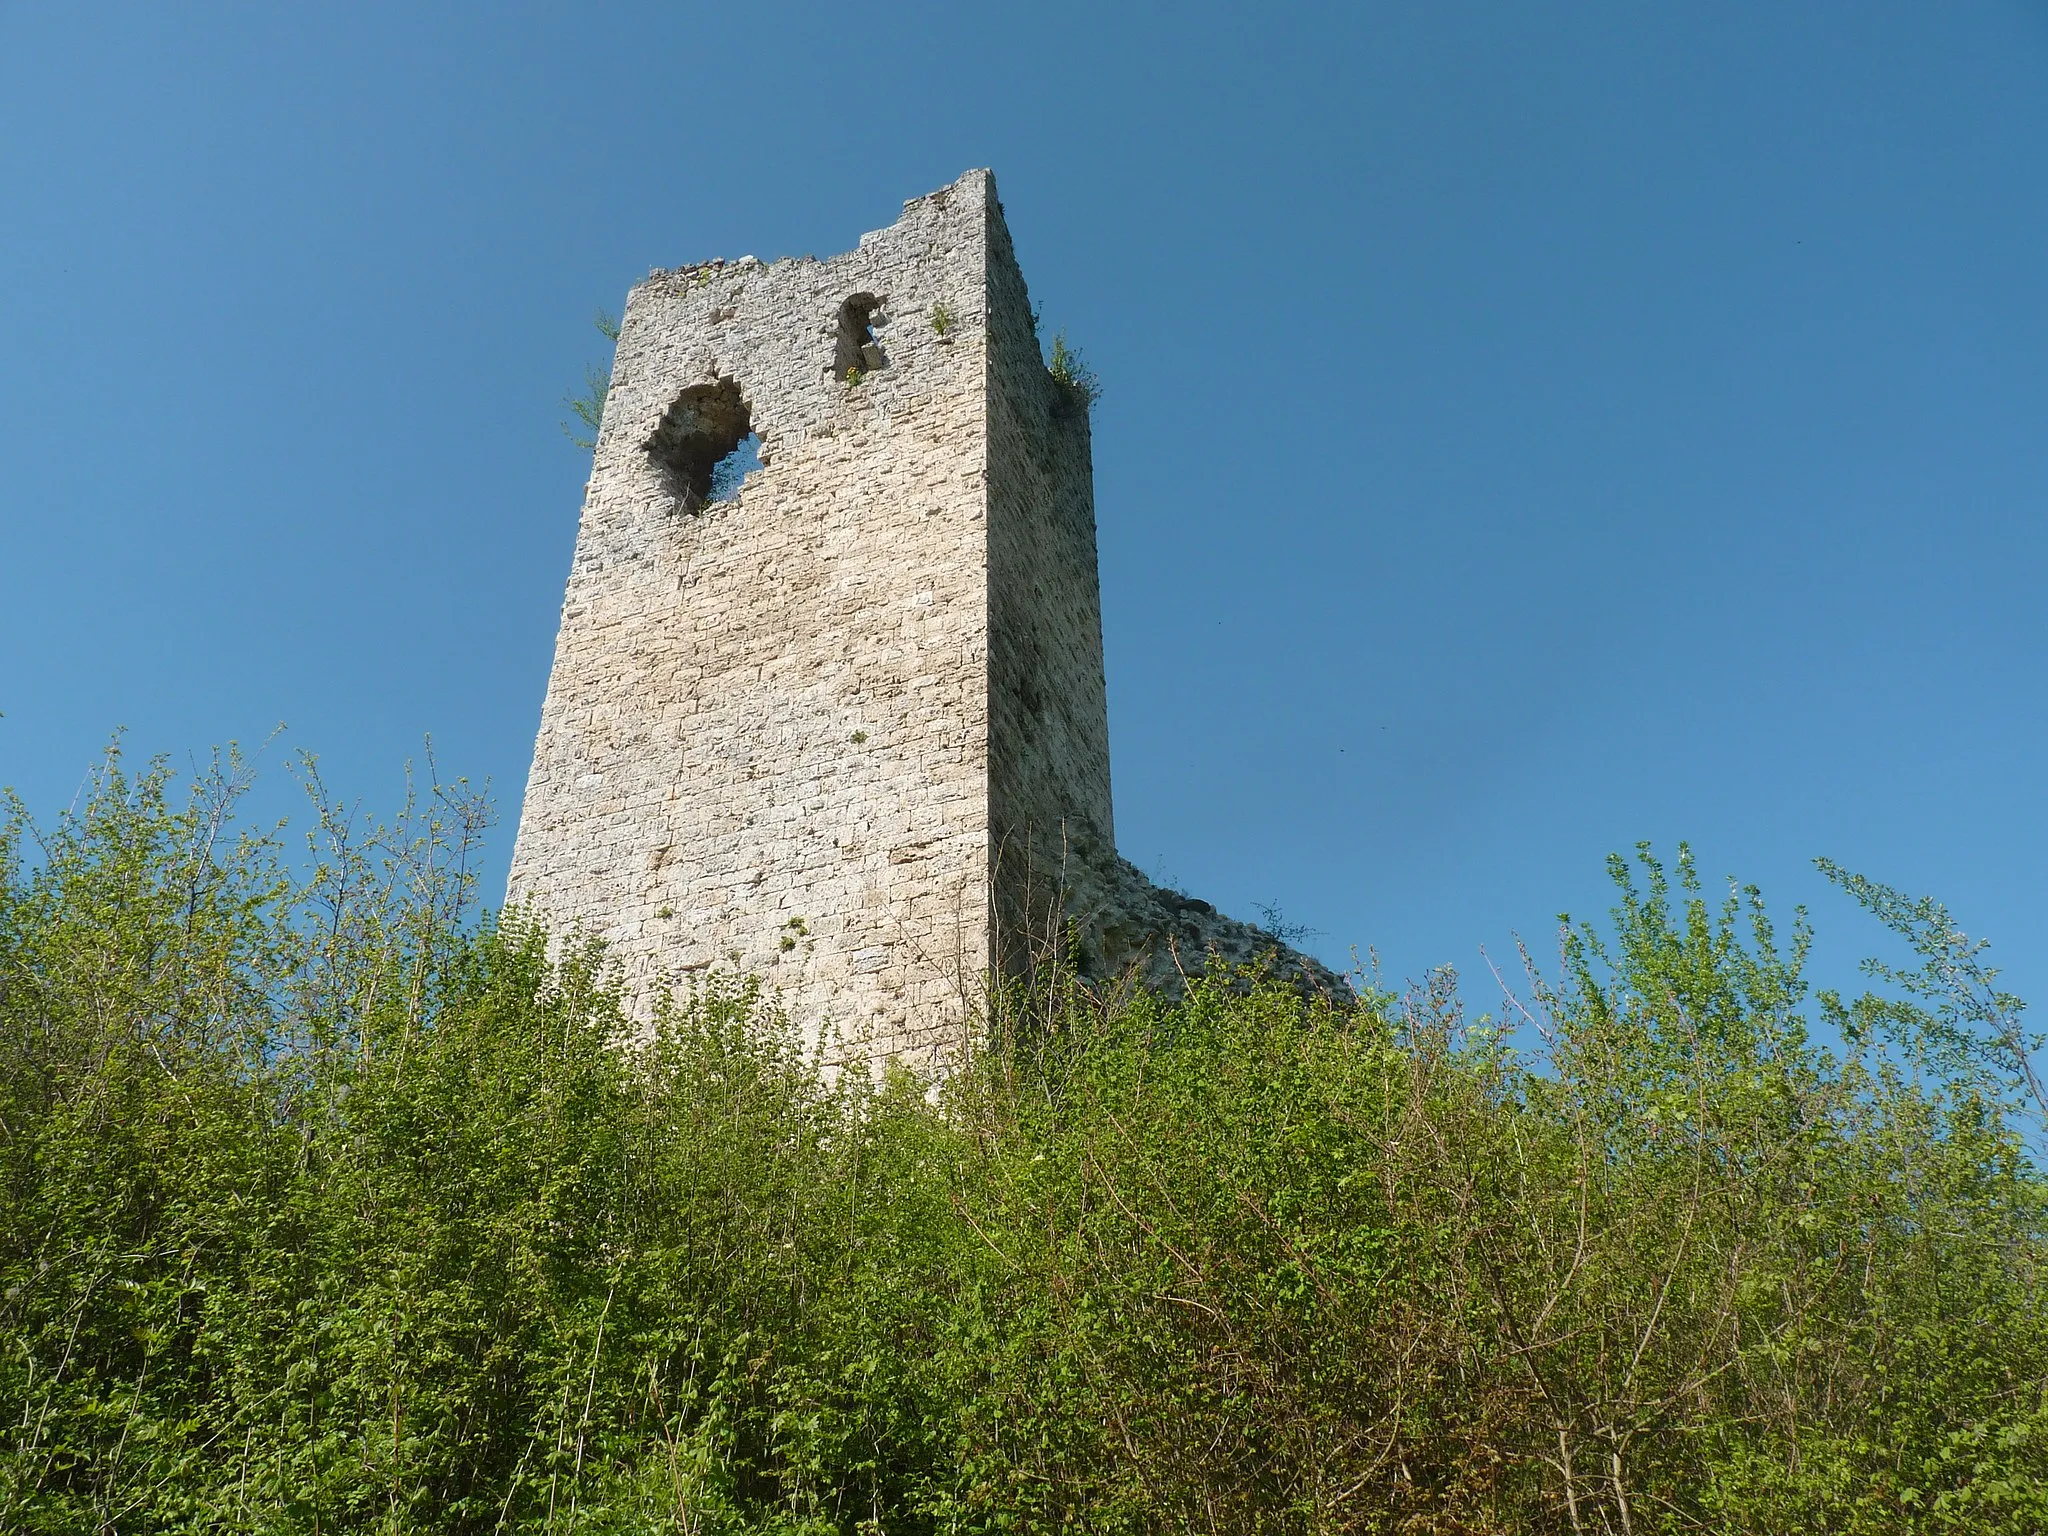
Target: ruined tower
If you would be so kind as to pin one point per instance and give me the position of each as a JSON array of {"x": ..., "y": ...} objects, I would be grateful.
[{"x": 837, "y": 718}]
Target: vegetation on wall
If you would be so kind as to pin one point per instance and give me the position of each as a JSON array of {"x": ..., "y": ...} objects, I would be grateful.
[
  {"x": 1077, "y": 381},
  {"x": 332, "y": 1204},
  {"x": 587, "y": 404}
]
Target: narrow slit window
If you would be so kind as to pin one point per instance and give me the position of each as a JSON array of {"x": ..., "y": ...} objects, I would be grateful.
[{"x": 856, "y": 352}]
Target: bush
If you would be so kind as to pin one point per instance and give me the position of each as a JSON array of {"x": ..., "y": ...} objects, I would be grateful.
[{"x": 331, "y": 1205}]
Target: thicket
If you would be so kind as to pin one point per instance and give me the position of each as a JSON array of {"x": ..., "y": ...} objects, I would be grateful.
[{"x": 330, "y": 1205}]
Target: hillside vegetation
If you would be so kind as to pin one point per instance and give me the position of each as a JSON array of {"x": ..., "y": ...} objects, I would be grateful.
[{"x": 332, "y": 1205}]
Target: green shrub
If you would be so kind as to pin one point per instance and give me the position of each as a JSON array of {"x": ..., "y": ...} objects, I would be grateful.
[
  {"x": 331, "y": 1205},
  {"x": 1070, "y": 371}
]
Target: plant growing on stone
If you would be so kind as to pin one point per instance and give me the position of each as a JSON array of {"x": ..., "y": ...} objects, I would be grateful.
[
  {"x": 943, "y": 318},
  {"x": 1072, "y": 373},
  {"x": 588, "y": 405}
]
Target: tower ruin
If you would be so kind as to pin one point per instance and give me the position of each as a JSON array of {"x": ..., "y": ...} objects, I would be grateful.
[{"x": 836, "y": 717}]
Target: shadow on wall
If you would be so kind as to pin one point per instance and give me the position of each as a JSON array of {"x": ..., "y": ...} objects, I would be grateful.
[{"x": 857, "y": 352}]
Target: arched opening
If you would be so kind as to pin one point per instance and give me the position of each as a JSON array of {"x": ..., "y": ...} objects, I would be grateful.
[
  {"x": 856, "y": 352},
  {"x": 705, "y": 445}
]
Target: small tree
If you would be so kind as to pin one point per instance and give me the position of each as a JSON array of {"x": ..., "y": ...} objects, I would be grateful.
[{"x": 588, "y": 406}]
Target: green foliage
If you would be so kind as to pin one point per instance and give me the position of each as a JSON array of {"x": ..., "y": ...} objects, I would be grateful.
[
  {"x": 588, "y": 405},
  {"x": 943, "y": 318},
  {"x": 1072, "y": 373},
  {"x": 331, "y": 1205},
  {"x": 1952, "y": 1010}
]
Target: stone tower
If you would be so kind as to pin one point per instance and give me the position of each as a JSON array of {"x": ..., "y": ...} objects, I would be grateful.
[{"x": 840, "y": 723}]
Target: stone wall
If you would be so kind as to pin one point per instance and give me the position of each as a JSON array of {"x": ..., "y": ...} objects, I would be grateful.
[
  {"x": 826, "y": 728},
  {"x": 1049, "y": 794}
]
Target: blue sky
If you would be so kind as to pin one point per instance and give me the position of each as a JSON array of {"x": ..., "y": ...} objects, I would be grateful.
[{"x": 1527, "y": 430}]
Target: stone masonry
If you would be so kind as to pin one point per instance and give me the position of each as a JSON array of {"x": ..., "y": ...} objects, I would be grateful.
[{"x": 842, "y": 724}]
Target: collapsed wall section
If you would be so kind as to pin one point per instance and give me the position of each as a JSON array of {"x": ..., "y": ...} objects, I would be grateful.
[{"x": 1062, "y": 894}]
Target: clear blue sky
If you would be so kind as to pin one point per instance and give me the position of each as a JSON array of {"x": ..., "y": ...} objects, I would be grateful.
[{"x": 1528, "y": 429}]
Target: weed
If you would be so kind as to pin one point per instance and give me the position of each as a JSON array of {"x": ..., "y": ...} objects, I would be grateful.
[
  {"x": 588, "y": 406},
  {"x": 1071, "y": 372}
]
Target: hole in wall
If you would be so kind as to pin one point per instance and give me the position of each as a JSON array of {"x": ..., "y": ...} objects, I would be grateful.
[
  {"x": 729, "y": 472},
  {"x": 857, "y": 352},
  {"x": 705, "y": 445}
]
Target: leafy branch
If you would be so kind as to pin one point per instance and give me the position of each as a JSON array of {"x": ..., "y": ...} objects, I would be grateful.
[
  {"x": 1953, "y": 1009},
  {"x": 587, "y": 406}
]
